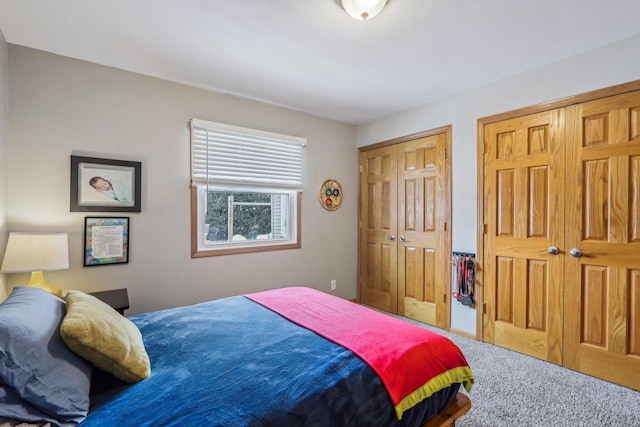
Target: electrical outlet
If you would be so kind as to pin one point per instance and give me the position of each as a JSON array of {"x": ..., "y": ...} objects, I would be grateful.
[{"x": 333, "y": 285}]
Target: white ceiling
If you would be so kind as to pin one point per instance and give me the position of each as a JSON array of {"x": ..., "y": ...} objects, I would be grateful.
[{"x": 311, "y": 56}]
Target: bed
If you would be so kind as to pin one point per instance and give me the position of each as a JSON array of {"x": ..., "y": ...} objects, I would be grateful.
[{"x": 287, "y": 357}]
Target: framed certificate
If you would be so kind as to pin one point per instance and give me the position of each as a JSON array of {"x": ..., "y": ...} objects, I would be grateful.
[{"x": 106, "y": 240}]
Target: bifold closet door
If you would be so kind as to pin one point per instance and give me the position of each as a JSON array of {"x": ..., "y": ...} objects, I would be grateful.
[
  {"x": 524, "y": 224},
  {"x": 378, "y": 224},
  {"x": 602, "y": 275},
  {"x": 587, "y": 285},
  {"x": 404, "y": 234}
]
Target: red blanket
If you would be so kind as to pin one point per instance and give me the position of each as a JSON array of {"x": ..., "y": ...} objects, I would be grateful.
[{"x": 412, "y": 362}]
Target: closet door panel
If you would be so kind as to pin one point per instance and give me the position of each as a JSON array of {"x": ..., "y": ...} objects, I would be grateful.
[
  {"x": 422, "y": 246},
  {"x": 524, "y": 187},
  {"x": 601, "y": 326},
  {"x": 378, "y": 273}
]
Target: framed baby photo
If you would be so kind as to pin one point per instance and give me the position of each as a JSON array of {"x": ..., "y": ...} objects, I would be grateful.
[
  {"x": 106, "y": 240},
  {"x": 105, "y": 185}
]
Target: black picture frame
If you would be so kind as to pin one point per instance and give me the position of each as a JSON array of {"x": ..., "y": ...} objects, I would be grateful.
[
  {"x": 105, "y": 185},
  {"x": 106, "y": 240}
]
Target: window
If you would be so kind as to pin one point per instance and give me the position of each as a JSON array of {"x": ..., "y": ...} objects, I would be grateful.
[{"x": 246, "y": 187}]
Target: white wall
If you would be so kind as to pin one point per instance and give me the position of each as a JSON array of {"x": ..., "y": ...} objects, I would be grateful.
[
  {"x": 60, "y": 106},
  {"x": 608, "y": 66},
  {"x": 4, "y": 122}
]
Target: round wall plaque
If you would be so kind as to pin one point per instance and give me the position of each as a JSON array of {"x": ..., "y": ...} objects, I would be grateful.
[{"x": 331, "y": 195}]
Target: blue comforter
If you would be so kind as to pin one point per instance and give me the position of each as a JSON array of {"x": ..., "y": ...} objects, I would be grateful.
[{"x": 232, "y": 362}]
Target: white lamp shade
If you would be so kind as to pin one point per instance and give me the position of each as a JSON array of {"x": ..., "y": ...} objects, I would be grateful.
[
  {"x": 363, "y": 9},
  {"x": 28, "y": 252}
]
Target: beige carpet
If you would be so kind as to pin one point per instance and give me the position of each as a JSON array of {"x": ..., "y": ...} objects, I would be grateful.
[{"x": 512, "y": 389}]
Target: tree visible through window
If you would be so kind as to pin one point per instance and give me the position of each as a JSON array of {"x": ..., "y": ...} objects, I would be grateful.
[{"x": 239, "y": 214}]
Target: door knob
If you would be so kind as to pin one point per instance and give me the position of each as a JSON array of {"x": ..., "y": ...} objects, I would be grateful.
[
  {"x": 391, "y": 237},
  {"x": 576, "y": 252},
  {"x": 553, "y": 250},
  {"x": 403, "y": 238}
]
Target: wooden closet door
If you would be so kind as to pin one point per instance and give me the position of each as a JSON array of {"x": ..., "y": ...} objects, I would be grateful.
[
  {"x": 378, "y": 225},
  {"x": 423, "y": 247},
  {"x": 602, "y": 297},
  {"x": 524, "y": 223}
]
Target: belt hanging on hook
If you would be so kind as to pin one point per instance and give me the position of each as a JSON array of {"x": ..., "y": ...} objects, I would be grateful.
[
  {"x": 464, "y": 265},
  {"x": 467, "y": 298}
]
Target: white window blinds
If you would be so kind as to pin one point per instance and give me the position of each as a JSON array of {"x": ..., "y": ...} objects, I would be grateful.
[{"x": 231, "y": 155}]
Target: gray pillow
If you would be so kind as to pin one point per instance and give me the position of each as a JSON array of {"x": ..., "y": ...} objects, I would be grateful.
[
  {"x": 13, "y": 407},
  {"x": 35, "y": 362}
]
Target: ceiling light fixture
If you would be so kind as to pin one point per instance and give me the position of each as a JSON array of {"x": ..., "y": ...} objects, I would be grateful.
[{"x": 362, "y": 9}]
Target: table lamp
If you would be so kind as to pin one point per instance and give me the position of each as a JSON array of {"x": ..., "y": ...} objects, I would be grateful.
[{"x": 37, "y": 252}]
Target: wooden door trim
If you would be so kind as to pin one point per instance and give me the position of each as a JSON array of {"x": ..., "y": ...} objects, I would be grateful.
[
  {"x": 359, "y": 230},
  {"x": 411, "y": 137},
  {"x": 564, "y": 102},
  {"x": 448, "y": 189},
  {"x": 479, "y": 273},
  {"x": 481, "y": 213}
]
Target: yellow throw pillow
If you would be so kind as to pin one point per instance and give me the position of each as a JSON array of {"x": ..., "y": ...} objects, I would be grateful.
[{"x": 96, "y": 332}]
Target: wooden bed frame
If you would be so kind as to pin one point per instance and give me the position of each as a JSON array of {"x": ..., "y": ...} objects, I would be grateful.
[{"x": 459, "y": 406}]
